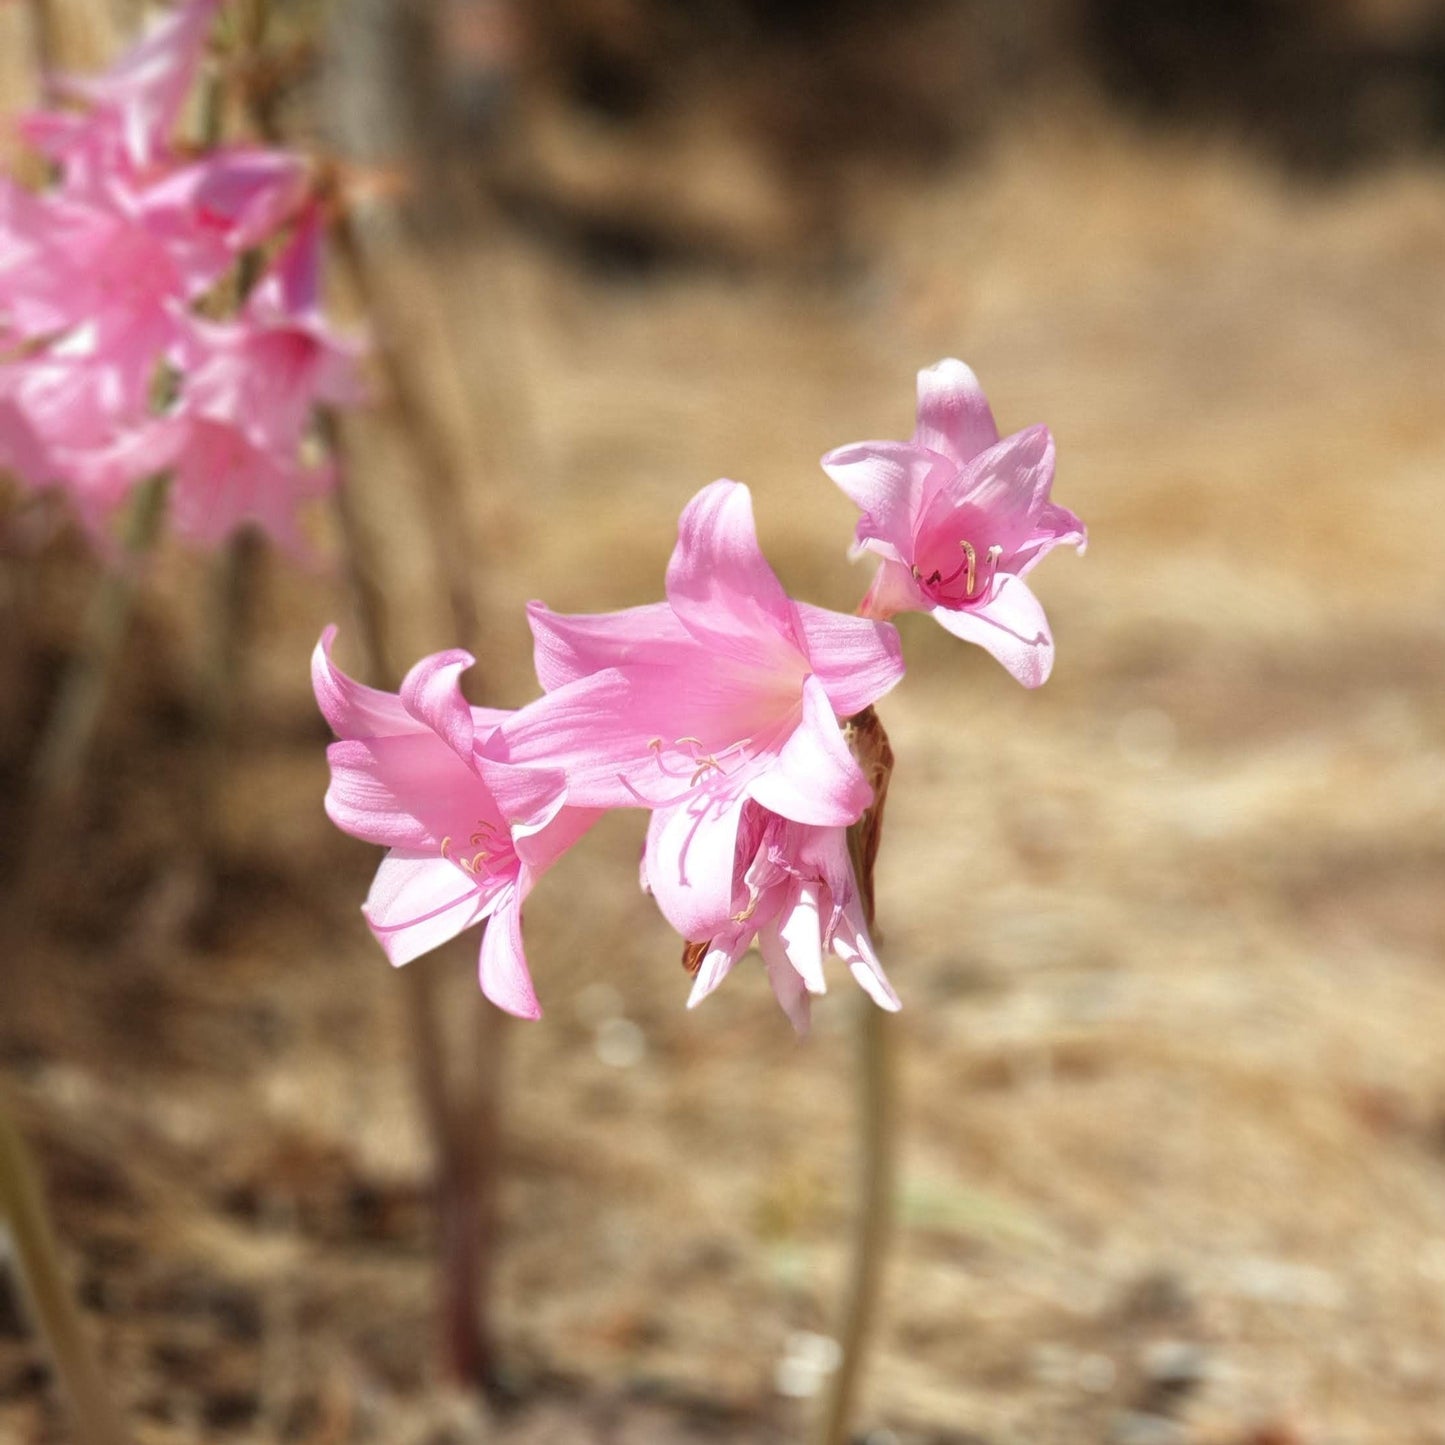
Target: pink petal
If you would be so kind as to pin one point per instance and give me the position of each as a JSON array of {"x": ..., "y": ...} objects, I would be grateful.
[
  {"x": 857, "y": 659},
  {"x": 22, "y": 453},
  {"x": 1053, "y": 526},
  {"x": 996, "y": 497},
  {"x": 1011, "y": 625},
  {"x": 894, "y": 590},
  {"x": 801, "y": 931},
  {"x": 723, "y": 953},
  {"x": 148, "y": 85},
  {"x": 720, "y": 585},
  {"x": 852, "y": 944},
  {"x": 432, "y": 693},
  {"x": 954, "y": 417},
  {"x": 419, "y": 901},
  {"x": 540, "y": 849},
  {"x": 787, "y": 985},
  {"x": 226, "y": 203},
  {"x": 889, "y": 482},
  {"x": 689, "y": 860},
  {"x": 404, "y": 792},
  {"x": 814, "y": 778},
  {"x": 593, "y": 730},
  {"x": 296, "y": 272},
  {"x": 572, "y": 646},
  {"x": 503, "y": 964},
  {"x": 527, "y": 797},
  {"x": 351, "y": 708}
]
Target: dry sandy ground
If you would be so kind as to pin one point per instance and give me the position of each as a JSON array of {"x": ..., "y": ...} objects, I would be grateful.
[{"x": 1169, "y": 933}]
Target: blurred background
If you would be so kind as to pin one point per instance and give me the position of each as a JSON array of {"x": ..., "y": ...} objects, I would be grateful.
[{"x": 1170, "y": 933}]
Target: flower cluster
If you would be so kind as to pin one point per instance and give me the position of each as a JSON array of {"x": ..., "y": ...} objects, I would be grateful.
[
  {"x": 722, "y": 710},
  {"x": 113, "y": 364}
]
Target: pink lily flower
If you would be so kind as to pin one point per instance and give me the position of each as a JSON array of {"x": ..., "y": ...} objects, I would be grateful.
[
  {"x": 959, "y": 517},
  {"x": 95, "y": 274},
  {"x": 221, "y": 479},
  {"x": 794, "y": 895},
  {"x": 468, "y": 837},
  {"x": 727, "y": 692},
  {"x": 209, "y": 212},
  {"x": 58, "y": 415},
  {"x": 141, "y": 96},
  {"x": 267, "y": 371}
]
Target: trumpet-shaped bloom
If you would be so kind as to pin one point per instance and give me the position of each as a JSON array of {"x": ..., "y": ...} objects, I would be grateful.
[
  {"x": 140, "y": 97},
  {"x": 727, "y": 692},
  {"x": 794, "y": 895},
  {"x": 959, "y": 517},
  {"x": 468, "y": 837},
  {"x": 265, "y": 372},
  {"x": 221, "y": 479}
]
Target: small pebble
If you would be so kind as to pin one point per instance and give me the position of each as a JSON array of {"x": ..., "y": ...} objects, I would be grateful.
[
  {"x": 1146, "y": 737},
  {"x": 1135, "y": 1428},
  {"x": 1174, "y": 1367},
  {"x": 1095, "y": 1374},
  {"x": 808, "y": 1359},
  {"x": 620, "y": 1044}
]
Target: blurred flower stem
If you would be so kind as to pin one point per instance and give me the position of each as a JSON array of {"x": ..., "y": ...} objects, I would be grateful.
[
  {"x": 235, "y": 571},
  {"x": 65, "y": 744},
  {"x": 877, "y": 1135},
  {"x": 23, "y": 1217},
  {"x": 464, "y": 1127}
]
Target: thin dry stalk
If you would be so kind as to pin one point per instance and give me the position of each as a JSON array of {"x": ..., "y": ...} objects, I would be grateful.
[
  {"x": 60, "y": 759},
  {"x": 23, "y": 1216},
  {"x": 464, "y": 1131}
]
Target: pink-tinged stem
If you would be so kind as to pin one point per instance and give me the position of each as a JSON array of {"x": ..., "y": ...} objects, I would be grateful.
[
  {"x": 470, "y": 1166},
  {"x": 469, "y": 1199},
  {"x": 65, "y": 745},
  {"x": 877, "y": 1132},
  {"x": 464, "y": 1132},
  {"x": 23, "y": 1216}
]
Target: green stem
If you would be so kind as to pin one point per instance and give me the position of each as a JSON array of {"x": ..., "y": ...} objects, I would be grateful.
[
  {"x": 22, "y": 1212},
  {"x": 874, "y": 1221},
  {"x": 65, "y": 745},
  {"x": 877, "y": 1103}
]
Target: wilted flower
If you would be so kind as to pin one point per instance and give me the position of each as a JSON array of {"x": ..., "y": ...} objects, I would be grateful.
[
  {"x": 959, "y": 517},
  {"x": 794, "y": 895}
]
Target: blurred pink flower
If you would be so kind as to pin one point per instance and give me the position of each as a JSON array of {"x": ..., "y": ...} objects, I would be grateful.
[
  {"x": 209, "y": 212},
  {"x": 468, "y": 837},
  {"x": 726, "y": 692},
  {"x": 267, "y": 371},
  {"x": 795, "y": 896},
  {"x": 959, "y": 517},
  {"x": 221, "y": 478},
  {"x": 140, "y": 98},
  {"x": 22, "y": 451}
]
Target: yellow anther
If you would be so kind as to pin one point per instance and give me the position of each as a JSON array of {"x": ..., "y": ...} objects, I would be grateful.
[{"x": 971, "y": 564}]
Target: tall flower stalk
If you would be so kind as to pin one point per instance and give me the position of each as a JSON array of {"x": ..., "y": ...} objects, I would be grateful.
[
  {"x": 877, "y": 1138},
  {"x": 76, "y": 713},
  {"x": 23, "y": 1219}
]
